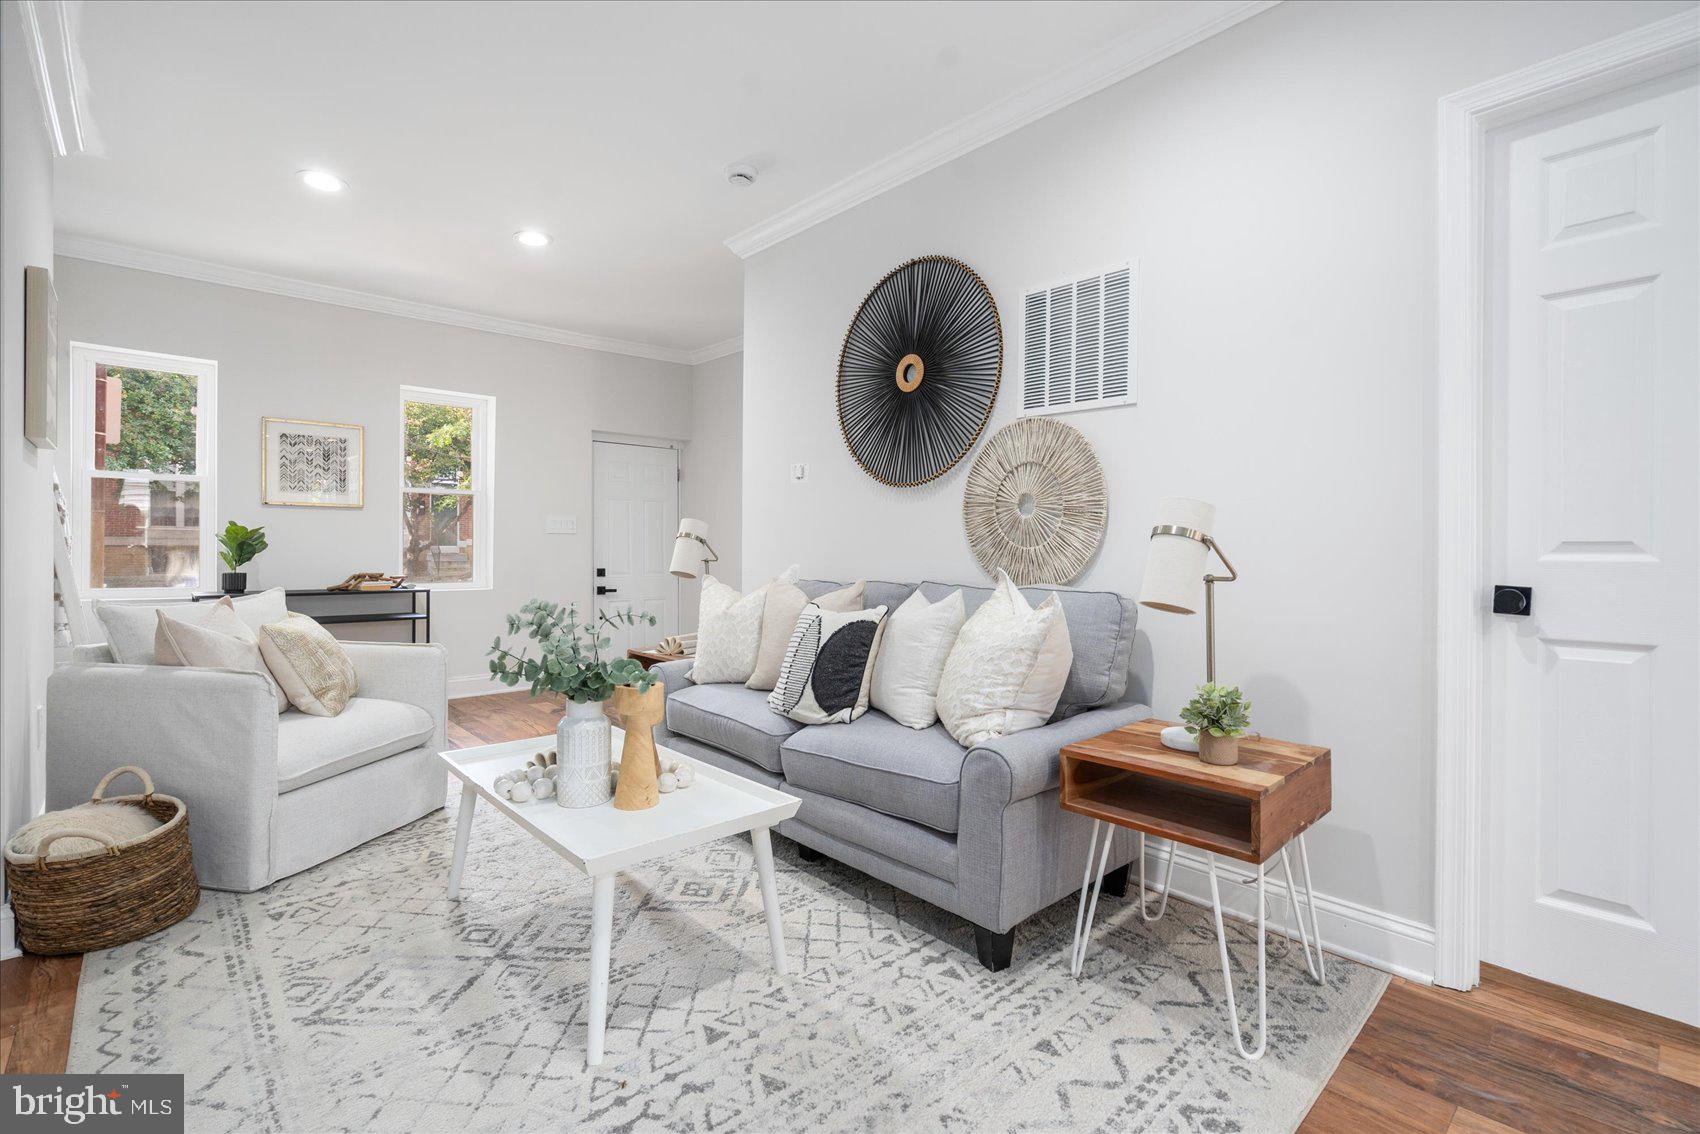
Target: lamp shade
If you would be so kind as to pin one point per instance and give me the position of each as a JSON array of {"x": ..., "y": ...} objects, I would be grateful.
[
  {"x": 1174, "y": 570},
  {"x": 690, "y": 549}
]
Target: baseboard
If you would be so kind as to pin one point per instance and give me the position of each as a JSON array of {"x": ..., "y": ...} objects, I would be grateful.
[
  {"x": 476, "y": 685},
  {"x": 8, "y": 935},
  {"x": 1374, "y": 937}
]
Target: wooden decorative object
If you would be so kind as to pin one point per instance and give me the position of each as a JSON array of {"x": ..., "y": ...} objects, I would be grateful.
[
  {"x": 369, "y": 581},
  {"x": 919, "y": 371},
  {"x": 1035, "y": 503},
  {"x": 640, "y": 767}
]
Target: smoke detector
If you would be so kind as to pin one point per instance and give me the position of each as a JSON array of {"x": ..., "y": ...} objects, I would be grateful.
[{"x": 741, "y": 173}]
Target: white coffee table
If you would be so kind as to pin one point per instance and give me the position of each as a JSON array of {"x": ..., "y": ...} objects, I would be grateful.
[{"x": 603, "y": 840}]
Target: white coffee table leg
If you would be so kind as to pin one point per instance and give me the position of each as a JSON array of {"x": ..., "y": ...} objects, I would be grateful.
[
  {"x": 601, "y": 940},
  {"x": 769, "y": 895},
  {"x": 463, "y": 835}
]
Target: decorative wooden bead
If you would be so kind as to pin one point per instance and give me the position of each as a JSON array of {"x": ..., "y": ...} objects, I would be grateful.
[
  {"x": 543, "y": 788},
  {"x": 520, "y": 792},
  {"x": 686, "y": 774},
  {"x": 534, "y": 773},
  {"x": 666, "y": 782}
]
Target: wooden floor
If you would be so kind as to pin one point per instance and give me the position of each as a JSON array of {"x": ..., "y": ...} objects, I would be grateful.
[{"x": 1515, "y": 1054}]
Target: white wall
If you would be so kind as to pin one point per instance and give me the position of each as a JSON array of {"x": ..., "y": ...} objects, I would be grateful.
[
  {"x": 286, "y": 357},
  {"x": 26, "y": 477},
  {"x": 1276, "y": 185},
  {"x": 714, "y": 470}
]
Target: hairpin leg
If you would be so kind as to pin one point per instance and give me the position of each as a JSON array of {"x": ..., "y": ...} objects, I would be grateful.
[
  {"x": 1228, "y": 974},
  {"x": 1168, "y": 877},
  {"x": 1312, "y": 967},
  {"x": 1310, "y": 900},
  {"x": 1083, "y": 917}
]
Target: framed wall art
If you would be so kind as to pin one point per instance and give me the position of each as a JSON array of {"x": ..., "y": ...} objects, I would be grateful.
[{"x": 312, "y": 464}]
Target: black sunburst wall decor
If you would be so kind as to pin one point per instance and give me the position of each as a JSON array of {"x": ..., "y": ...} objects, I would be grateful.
[{"x": 919, "y": 370}]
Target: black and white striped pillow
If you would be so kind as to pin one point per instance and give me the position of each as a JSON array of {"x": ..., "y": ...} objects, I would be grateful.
[{"x": 824, "y": 677}]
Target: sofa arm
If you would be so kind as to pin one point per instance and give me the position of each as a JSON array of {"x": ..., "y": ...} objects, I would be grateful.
[
  {"x": 411, "y": 674},
  {"x": 1010, "y": 768},
  {"x": 206, "y": 736},
  {"x": 675, "y": 675}
]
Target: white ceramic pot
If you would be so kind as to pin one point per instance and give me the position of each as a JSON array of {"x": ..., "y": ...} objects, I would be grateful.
[{"x": 583, "y": 746}]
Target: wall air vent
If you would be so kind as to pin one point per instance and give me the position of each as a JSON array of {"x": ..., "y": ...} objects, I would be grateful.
[{"x": 1077, "y": 344}]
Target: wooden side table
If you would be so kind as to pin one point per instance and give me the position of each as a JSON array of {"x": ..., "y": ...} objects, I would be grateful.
[
  {"x": 1250, "y": 811},
  {"x": 651, "y": 658}
]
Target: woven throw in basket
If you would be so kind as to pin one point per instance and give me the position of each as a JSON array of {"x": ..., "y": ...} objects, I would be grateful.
[{"x": 117, "y": 892}]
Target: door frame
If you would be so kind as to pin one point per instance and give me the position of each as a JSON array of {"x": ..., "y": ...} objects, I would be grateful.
[
  {"x": 600, "y": 437},
  {"x": 1467, "y": 121}
]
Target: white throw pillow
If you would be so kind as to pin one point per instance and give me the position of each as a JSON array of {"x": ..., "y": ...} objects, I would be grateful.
[
  {"x": 1007, "y": 669},
  {"x": 311, "y": 665},
  {"x": 222, "y": 641},
  {"x": 729, "y": 630},
  {"x": 917, "y": 641},
  {"x": 828, "y": 662},
  {"x": 130, "y": 627},
  {"x": 785, "y": 602}
]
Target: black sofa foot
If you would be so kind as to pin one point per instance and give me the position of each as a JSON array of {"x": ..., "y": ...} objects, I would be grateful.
[
  {"x": 809, "y": 854},
  {"x": 1115, "y": 882},
  {"x": 995, "y": 949}
]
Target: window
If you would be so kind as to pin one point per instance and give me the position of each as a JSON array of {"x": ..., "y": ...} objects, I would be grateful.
[
  {"x": 445, "y": 487},
  {"x": 145, "y": 433}
]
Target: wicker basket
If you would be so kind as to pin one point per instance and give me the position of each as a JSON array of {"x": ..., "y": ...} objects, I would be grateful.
[{"x": 106, "y": 897}]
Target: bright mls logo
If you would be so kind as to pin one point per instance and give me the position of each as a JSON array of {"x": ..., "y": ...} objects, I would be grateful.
[{"x": 139, "y": 1104}]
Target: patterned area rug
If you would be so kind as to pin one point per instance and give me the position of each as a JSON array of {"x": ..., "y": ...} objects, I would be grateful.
[{"x": 357, "y": 997}]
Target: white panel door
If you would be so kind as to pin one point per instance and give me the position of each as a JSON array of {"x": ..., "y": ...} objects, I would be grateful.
[
  {"x": 636, "y": 490},
  {"x": 1594, "y": 815}
]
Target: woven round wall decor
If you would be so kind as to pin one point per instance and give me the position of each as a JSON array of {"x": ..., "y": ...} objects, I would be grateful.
[
  {"x": 1035, "y": 503},
  {"x": 919, "y": 371}
]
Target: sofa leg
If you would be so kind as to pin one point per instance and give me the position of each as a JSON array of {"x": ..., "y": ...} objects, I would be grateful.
[
  {"x": 809, "y": 854},
  {"x": 995, "y": 949},
  {"x": 1115, "y": 882}
]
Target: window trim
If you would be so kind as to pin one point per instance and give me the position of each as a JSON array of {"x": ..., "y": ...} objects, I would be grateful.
[
  {"x": 84, "y": 358},
  {"x": 482, "y": 492}
]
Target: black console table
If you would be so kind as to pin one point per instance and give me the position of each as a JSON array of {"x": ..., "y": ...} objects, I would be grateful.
[{"x": 338, "y": 607}]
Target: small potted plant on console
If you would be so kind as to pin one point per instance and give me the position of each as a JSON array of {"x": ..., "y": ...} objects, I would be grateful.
[{"x": 1218, "y": 715}]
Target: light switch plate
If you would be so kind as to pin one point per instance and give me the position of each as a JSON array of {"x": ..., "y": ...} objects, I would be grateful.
[
  {"x": 560, "y": 525},
  {"x": 799, "y": 472}
]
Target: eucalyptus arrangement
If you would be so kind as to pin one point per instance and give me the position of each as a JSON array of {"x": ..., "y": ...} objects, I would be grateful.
[
  {"x": 238, "y": 545},
  {"x": 569, "y": 653},
  {"x": 1218, "y": 715}
]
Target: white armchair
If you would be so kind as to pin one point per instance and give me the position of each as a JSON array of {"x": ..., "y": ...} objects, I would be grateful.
[{"x": 268, "y": 795}]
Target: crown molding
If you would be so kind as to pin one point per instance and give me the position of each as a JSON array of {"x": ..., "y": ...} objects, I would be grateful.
[
  {"x": 52, "y": 47},
  {"x": 1127, "y": 56},
  {"x": 164, "y": 263}
]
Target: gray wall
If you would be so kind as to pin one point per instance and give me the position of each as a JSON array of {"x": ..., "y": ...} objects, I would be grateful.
[
  {"x": 286, "y": 357},
  {"x": 1276, "y": 185},
  {"x": 26, "y": 474},
  {"x": 714, "y": 470}
]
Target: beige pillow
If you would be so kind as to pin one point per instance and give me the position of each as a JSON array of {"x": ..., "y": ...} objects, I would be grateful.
[
  {"x": 130, "y": 626},
  {"x": 729, "y": 630},
  {"x": 313, "y": 668},
  {"x": 785, "y": 603},
  {"x": 215, "y": 639},
  {"x": 1007, "y": 668}
]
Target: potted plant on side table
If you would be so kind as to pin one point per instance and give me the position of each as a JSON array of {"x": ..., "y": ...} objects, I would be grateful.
[
  {"x": 238, "y": 545},
  {"x": 1218, "y": 715},
  {"x": 569, "y": 662}
]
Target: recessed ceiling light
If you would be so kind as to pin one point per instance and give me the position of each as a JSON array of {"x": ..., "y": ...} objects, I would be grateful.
[
  {"x": 322, "y": 181},
  {"x": 531, "y": 238}
]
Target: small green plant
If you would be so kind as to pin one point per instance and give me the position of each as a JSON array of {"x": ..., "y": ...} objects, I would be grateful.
[
  {"x": 238, "y": 544},
  {"x": 1220, "y": 710},
  {"x": 569, "y": 653}
]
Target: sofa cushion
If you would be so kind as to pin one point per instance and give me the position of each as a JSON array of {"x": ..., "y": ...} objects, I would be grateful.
[
  {"x": 877, "y": 592},
  {"x": 1100, "y": 629},
  {"x": 310, "y": 749},
  {"x": 733, "y": 718},
  {"x": 878, "y": 763}
]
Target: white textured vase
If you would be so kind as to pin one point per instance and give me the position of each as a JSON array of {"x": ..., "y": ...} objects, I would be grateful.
[{"x": 583, "y": 746}]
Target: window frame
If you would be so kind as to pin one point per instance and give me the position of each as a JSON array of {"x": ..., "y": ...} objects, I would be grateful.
[
  {"x": 85, "y": 358},
  {"x": 482, "y": 492}
]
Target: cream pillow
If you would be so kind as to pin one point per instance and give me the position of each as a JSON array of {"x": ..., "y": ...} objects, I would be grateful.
[
  {"x": 313, "y": 668},
  {"x": 913, "y": 650},
  {"x": 785, "y": 602},
  {"x": 1007, "y": 668},
  {"x": 729, "y": 630},
  {"x": 219, "y": 641},
  {"x": 130, "y": 627}
]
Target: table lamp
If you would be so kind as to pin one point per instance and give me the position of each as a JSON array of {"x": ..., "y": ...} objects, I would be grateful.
[
  {"x": 691, "y": 550},
  {"x": 1180, "y": 547}
]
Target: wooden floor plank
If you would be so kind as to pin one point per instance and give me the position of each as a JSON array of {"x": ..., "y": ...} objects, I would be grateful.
[
  {"x": 1680, "y": 1063},
  {"x": 38, "y": 997},
  {"x": 1359, "y": 1099},
  {"x": 1469, "y": 1122}
]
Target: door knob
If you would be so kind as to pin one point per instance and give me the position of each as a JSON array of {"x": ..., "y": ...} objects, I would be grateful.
[
  {"x": 607, "y": 590},
  {"x": 1513, "y": 600}
]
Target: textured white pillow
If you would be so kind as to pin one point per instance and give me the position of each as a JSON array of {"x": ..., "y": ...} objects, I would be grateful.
[
  {"x": 1007, "y": 669},
  {"x": 917, "y": 641},
  {"x": 729, "y": 630},
  {"x": 311, "y": 665},
  {"x": 785, "y": 602},
  {"x": 222, "y": 641},
  {"x": 130, "y": 627}
]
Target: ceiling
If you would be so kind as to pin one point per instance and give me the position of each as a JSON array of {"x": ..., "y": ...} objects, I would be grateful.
[{"x": 606, "y": 125}]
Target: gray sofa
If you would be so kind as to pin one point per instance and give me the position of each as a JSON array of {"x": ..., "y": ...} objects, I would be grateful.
[{"x": 975, "y": 831}]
